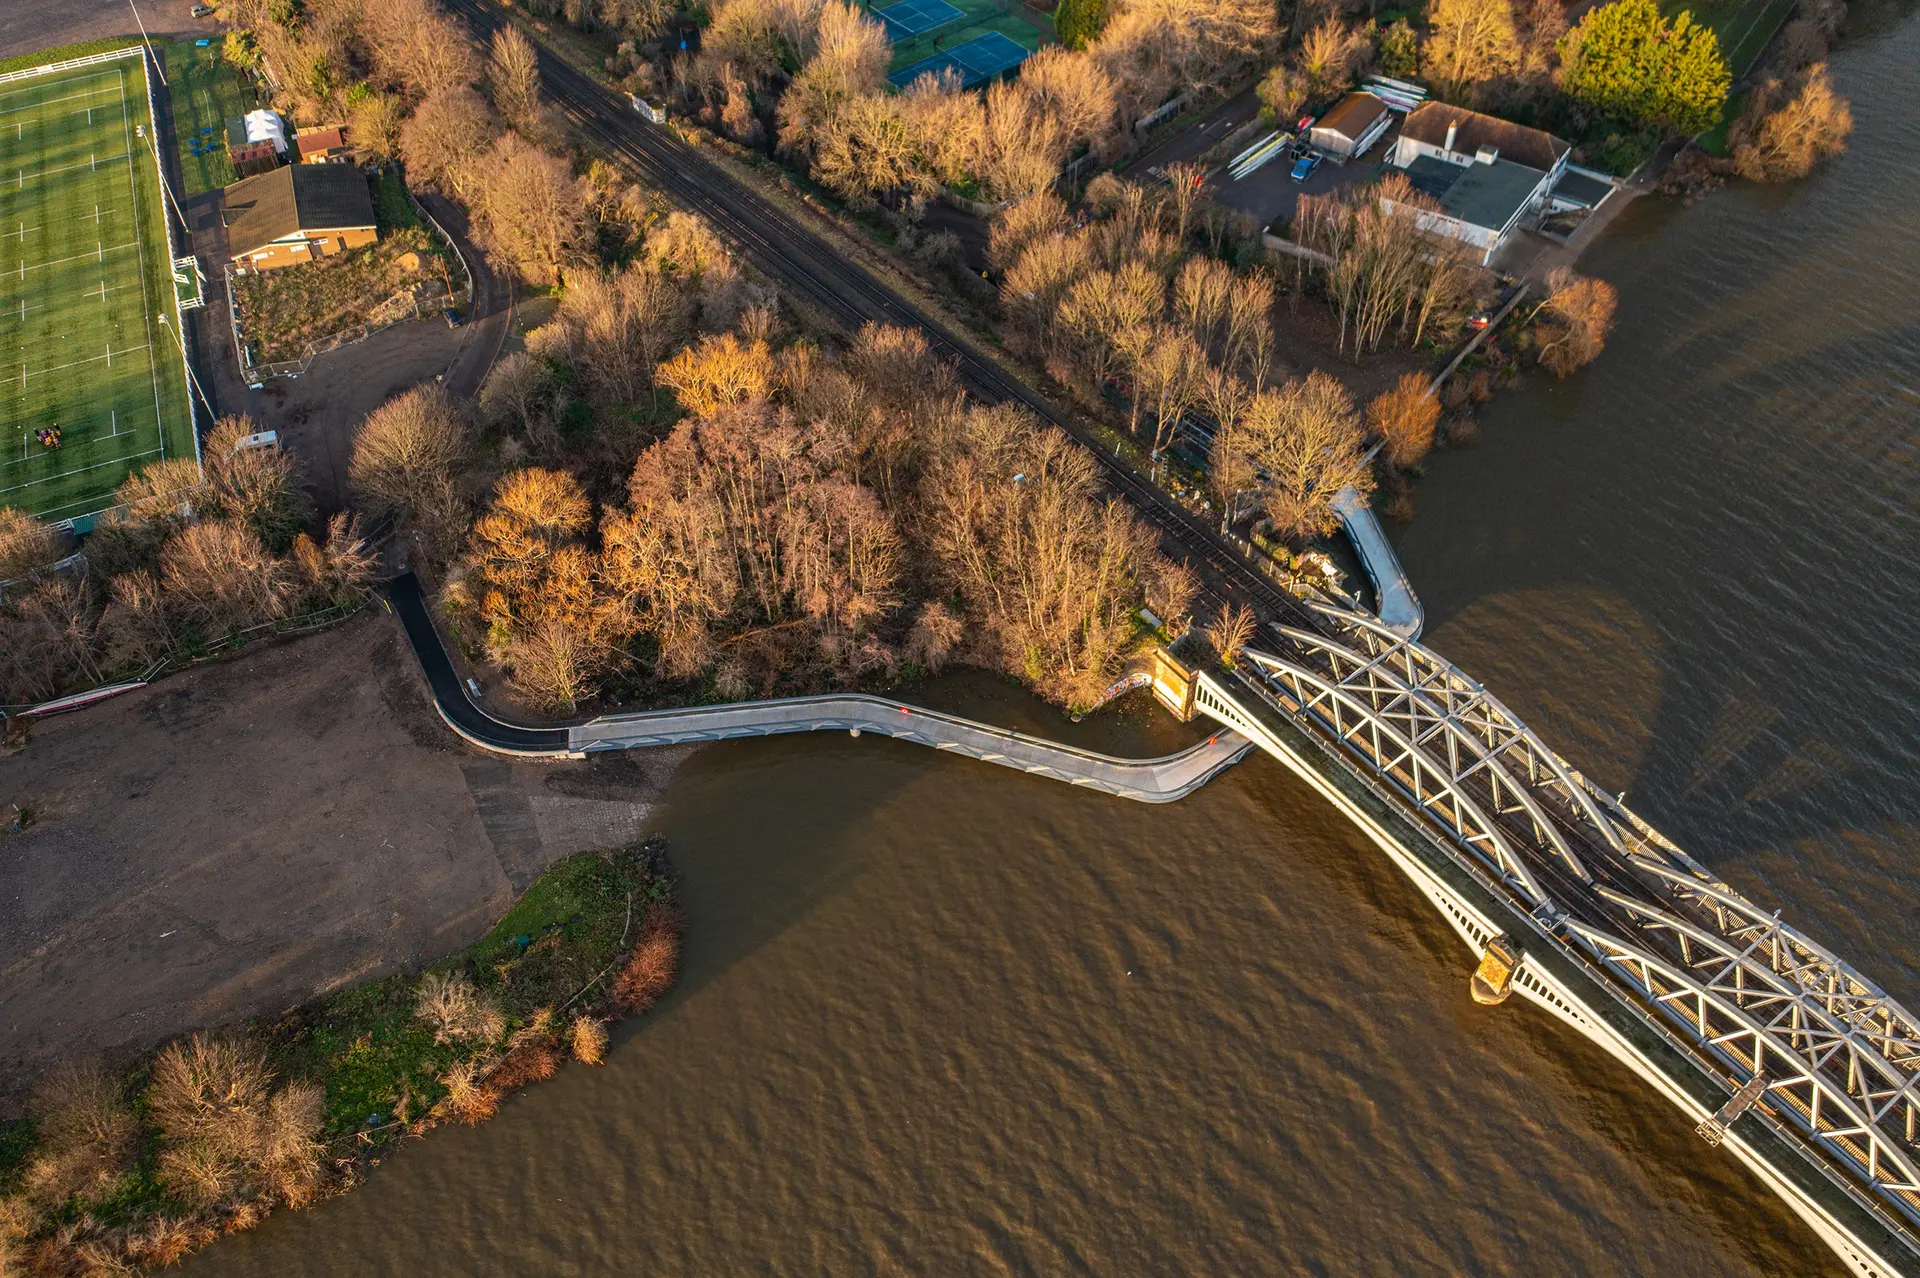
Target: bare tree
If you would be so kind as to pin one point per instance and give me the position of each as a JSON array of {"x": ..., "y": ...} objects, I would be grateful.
[
  {"x": 253, "y": 485},
  {"x": 1284, "y": 91},
  {"x": 1303, "y": 440},
  {"x": 514, "y": 74},
  {"x": 1468, "y": 43},
  {"x": 1232, "y": 631},
  {"x": 1021, "y": 224},
  {"x": 1072, "y": 89},
  {"x": 1574, "y": 320},
  {"x": 1405, "y": 417},
  {"x": 530, "y": 208},
  {"x": 444, "y": 138},
  {"x": 948, "y": 126},
  {"x": 406, "y": 460},
  {"x": 1170, "y": 377},
  {"x": 1782, "y": 133},
  {"x": 218, "y": 577},
  {"x": 717, "y": 372},
  {"x": 1327, "y": 55},
  {"x": 26, "y": 544}
]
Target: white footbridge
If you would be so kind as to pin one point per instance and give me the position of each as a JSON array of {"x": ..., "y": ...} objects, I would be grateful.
[{"x": 1774, "y": 1047}]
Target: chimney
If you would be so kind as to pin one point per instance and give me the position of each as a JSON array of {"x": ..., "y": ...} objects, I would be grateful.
[
  {"x": 1486, "y": 155},
  {"x": 1453, "y": 127}
]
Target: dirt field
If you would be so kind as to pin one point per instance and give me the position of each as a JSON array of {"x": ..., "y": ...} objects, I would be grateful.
[
  {"x": 235, "y": 839},
  {"x": 28, "y": 27}
]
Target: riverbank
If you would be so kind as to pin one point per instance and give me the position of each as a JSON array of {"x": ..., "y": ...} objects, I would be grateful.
[
  {"x": 251, "y": 834},
  {"x": 145, "y": 1161}
]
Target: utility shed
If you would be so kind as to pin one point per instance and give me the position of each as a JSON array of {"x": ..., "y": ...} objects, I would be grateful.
[
  {"x": 298, "y": 214},
  {"x": 1351, "y": 126}
]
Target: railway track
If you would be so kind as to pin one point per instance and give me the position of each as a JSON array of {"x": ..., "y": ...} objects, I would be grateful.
[{"x": 802, "y": 262}]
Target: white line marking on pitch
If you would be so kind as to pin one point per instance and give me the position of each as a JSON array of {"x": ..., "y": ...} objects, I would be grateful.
[
  {"x": 99, "y": 254},
  {"x": 124, "y": 350},
  {"x": 92, "y": 163},
  {"x": 117, "y": 461},
  {"x": 71, "y": 97}
]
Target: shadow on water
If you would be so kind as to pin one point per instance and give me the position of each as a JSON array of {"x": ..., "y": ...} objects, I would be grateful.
[{"x": 1690, "y": 567}]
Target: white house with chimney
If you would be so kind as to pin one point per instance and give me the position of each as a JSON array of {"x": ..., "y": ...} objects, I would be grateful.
[{"x": 1487, "y": 174}]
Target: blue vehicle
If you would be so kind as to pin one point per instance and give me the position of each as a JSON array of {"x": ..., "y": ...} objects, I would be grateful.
[
  {"x": 1304, "y": 166},
  {"x": 454, "y": 318}
]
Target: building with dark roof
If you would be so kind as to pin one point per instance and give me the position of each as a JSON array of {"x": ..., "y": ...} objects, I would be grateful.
[
  {"x": 1487, "y": 175},
  {"x": 1444, "y": 131},
  {"x": 298, "y": 214},
  {"x": 1351, "y": 126}
]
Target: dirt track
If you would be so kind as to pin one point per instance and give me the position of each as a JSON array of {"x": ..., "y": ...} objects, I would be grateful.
[
  {"x": 236, "y": 839},
  {"x": 28, "y": 28}
]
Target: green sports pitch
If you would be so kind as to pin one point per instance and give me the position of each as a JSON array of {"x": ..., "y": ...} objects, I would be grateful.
[{"x": 88, "y": 340}]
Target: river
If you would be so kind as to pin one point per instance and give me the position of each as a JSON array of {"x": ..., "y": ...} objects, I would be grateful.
[{"x": 937, "y": 1018}]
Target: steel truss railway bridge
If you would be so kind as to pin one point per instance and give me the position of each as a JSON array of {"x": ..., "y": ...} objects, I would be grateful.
[
  {"x": 1777, "y": 1048},
  {"x": 1780, "y": 1051}
]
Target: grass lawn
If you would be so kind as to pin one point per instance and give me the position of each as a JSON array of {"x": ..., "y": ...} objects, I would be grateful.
[
  {"x": 207, "y": 92},
  {"x": 1744, "y": 27},
  {"x": 977, "y": 18},
  {"x": 375, "y": 1056},
  {"x": 87, "y": 336}
]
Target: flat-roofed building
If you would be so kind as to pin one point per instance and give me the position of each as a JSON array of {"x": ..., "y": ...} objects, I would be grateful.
[{"x": 321, "y": 146}]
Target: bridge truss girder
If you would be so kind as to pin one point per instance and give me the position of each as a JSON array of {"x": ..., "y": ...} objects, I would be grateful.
[
  {"x": 1387, "y": 749},
  {"x": 1842, "y": 1058}
]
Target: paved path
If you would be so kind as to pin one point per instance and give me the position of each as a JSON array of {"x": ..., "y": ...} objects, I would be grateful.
[
  {"x": 1399, "y": 608},
  {"x": 1161, "y": 780}
]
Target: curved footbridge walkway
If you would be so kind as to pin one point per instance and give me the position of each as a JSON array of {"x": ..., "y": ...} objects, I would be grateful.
[{"x": 1161, "y": 780}]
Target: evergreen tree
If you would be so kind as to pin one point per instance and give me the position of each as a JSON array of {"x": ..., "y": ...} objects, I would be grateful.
[
  {"x": 1625, "y": 62},
  {"x": 1079, "y": 22}
]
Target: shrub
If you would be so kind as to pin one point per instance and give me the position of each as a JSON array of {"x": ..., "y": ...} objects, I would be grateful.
[
  {"x": 588, "y": 1039},
  {"x": 457, "y": 1011},
  {"x": 650, "y": 970}
]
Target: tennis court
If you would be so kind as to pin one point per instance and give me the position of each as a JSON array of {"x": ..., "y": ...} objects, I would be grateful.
[
  {"x": 87, "y": 344},
  {"x": 913, "y": 17},
  {"x": 977, "y": 61}
]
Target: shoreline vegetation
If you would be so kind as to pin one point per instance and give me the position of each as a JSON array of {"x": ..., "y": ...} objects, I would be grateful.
[{"x": 140, "y": 1162}]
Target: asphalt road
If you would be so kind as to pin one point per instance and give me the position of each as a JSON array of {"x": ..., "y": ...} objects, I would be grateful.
[{"x": 801, "y": 261}]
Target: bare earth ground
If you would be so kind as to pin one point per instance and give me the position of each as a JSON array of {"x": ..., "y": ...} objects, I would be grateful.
[
  {"x": 236, "y": 839},
  {"x": 318, "y": 413},
  {"x": 27, "y": 26}
]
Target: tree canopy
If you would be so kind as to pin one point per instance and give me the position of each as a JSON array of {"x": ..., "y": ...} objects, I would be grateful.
[
  {"x": 1078, "y": 22},
  {"x": 1624, "y": 61}
]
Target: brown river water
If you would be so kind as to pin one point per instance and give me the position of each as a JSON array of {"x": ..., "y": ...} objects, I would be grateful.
[{"x": 938, "y": 1018}]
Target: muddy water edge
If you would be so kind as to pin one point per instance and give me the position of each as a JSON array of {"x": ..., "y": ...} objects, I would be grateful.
[{"x": 938, "y": 1018}]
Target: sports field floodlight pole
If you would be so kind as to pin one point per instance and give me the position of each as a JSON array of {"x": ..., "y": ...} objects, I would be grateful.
[{"x": 148, "y": 41}]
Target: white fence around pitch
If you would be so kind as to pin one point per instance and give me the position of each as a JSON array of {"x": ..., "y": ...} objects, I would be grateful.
[{"x": 90, "y": 60}]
